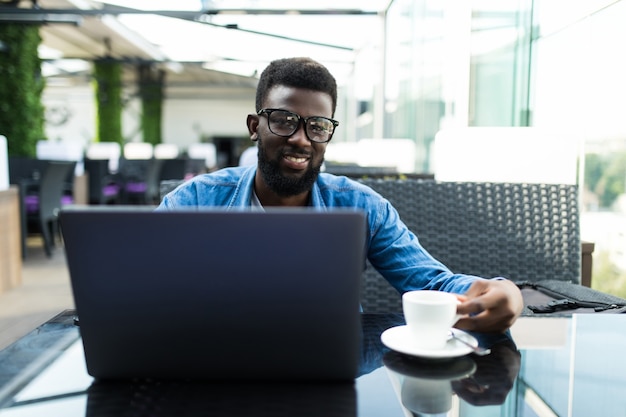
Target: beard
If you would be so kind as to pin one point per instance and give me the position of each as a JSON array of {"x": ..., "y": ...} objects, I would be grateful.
[{"x": 281, "y": 184}]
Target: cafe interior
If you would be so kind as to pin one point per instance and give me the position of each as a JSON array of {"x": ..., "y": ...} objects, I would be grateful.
[{"x": 494, "y": 127}]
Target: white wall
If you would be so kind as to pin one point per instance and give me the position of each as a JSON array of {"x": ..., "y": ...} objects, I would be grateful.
[
  {"x": 187, "y": 121},
  {"x": 72, "y": 113}
]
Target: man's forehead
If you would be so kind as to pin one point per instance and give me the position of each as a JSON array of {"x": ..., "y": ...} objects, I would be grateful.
[{"x": 282, "y": 96}]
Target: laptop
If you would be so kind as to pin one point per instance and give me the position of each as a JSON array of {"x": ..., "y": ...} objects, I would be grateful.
[{"x": 215, "y": 294}]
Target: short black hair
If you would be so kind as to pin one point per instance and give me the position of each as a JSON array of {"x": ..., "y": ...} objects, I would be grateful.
[{"x": 299, "y": 73}]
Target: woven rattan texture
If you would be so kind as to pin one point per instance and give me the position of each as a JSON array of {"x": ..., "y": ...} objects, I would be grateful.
[{"x": 525, "y": 232}]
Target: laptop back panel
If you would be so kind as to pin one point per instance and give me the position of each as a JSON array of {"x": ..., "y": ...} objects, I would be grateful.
[{"x": 217, "y": 294}]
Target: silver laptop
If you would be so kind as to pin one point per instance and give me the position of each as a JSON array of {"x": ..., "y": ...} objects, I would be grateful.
[{"x": 218, "y": 295}]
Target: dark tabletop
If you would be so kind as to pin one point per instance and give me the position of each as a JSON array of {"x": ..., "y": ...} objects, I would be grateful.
[{"x": 569, "y": 366}]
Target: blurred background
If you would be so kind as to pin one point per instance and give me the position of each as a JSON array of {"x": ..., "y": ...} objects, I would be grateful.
[{"x": 497, "y": 90}]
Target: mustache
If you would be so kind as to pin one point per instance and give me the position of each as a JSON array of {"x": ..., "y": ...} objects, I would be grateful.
[{"x": 295, "y": 151}]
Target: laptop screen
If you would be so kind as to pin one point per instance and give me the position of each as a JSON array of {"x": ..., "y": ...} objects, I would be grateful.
[{"x": 215, "y": 294}]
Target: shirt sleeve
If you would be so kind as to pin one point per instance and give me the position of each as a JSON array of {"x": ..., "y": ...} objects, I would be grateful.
[{"x": 398, "y": 256}]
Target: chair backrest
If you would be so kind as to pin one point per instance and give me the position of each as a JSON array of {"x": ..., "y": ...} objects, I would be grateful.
[
  {"x": 173, "y": 169},
  {"x": 166, "y": 186},
  {"x": 153, "y": 177},
  {"x": 134, "y": 170},
  {"x": 524, "y": 232},
  {"x": 25, "y": 168},
  {"x": 52, "y": 187},
  {"x": 102, "y": 185}
]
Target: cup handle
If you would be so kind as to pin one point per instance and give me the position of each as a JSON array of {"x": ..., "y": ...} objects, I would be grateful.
[{"x": 457, "y": 316}]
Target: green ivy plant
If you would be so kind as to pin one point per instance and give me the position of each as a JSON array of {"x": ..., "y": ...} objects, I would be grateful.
[
  {"x": 21, "y": 86},
  {"x": 151, "y": 82},
  {"x": 108, "y": 93}
]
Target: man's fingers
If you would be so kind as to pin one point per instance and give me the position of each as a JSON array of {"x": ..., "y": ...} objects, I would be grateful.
[
  {"x": 472, "y": 307},
  {"x": 490, "y": 306}
]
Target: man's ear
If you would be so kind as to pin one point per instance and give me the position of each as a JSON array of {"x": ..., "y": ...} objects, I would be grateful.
[{"x": 253, "y": 123}]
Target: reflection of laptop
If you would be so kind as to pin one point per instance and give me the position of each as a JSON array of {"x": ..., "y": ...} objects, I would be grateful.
[
  {"x": 217, "y": 294},
  {"x": 216, "y": 399}
]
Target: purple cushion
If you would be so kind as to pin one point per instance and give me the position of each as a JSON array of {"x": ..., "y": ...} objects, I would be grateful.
[
  {"x": 136, "y": 187},
  {"x": 31, "y": 202},
  {"x": 111, "y": 190}
]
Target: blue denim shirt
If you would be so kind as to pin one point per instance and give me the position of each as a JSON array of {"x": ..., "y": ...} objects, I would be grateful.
[{"x": 392, "y": 248}]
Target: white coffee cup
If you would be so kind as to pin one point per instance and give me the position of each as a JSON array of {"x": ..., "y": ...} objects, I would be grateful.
[{"x": 429, "y": 316}]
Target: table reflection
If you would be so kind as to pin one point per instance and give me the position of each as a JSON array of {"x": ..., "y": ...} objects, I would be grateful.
[
  {"x": 494, "y": 377},
  {"x": 581, "y": 375},
  {"x": 427, "y": 386},
  {"x": 171, "y": 398}
]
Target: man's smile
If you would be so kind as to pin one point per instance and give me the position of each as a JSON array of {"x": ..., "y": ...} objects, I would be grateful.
[{"x": 296, "y": 161}]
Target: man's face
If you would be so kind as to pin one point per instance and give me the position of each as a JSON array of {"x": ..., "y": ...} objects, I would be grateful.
[
  {"x": 284, "y": 182},
  {"x": 290, "y": 166}
]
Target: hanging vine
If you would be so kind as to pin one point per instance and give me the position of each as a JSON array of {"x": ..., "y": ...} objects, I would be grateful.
[
  {"x": 108, "y": 92},
  {"x": 21, "y": 86},
  {"x": 151, "y": 82}
]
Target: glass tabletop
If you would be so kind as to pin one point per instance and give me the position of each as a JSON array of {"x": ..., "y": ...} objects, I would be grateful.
[{"x": 544, "y": 367}]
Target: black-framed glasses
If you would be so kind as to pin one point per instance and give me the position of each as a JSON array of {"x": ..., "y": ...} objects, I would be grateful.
[{"x": 285, "y": 123}]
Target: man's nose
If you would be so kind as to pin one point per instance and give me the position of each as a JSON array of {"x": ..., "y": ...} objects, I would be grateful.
[{"x": 299, "y": 136}]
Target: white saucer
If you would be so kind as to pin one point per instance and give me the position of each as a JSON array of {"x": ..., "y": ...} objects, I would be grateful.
[{"x": 398, "y": 339}]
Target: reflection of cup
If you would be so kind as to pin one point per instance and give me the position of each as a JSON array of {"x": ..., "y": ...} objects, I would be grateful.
[
  {"x": 429, "y": 316},
  {"x": 426, "y": 387},
  {"x": 426, "y": 396}
]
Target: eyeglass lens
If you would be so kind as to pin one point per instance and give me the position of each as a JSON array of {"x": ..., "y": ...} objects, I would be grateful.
[{"x": 284, "y": 123}]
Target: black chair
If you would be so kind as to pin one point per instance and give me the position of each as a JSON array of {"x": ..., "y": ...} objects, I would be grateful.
[
  {"x": 104, "y": 187},
  {"x": 161, "y": 170},
  {"x": 25, "y": 168},
  {"x": 134, "y": 175},
  {"x": 173, "y": 169},
  {"x": 194, "y": 166},
  {"x": 169, "y": 170},
  {"x": 50, "y": 196},
  {"x": 24, "y": 172},
  {"x": 27, "y": 173},
  {"x": 153, "y": 175},
  {"x": 524, "y": 232}
]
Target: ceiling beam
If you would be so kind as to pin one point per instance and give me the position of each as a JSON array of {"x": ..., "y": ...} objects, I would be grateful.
[
  {"x": 75, "y": 16},
  {"x": 116, "y": 10},
  {"x": 40, "y": 18}
]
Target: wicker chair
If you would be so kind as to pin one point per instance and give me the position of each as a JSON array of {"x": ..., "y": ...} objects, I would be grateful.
[{"x": 525, "y": 232}]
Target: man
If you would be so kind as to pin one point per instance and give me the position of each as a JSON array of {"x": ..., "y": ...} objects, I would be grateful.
[{"x": 295, "y": 102}]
